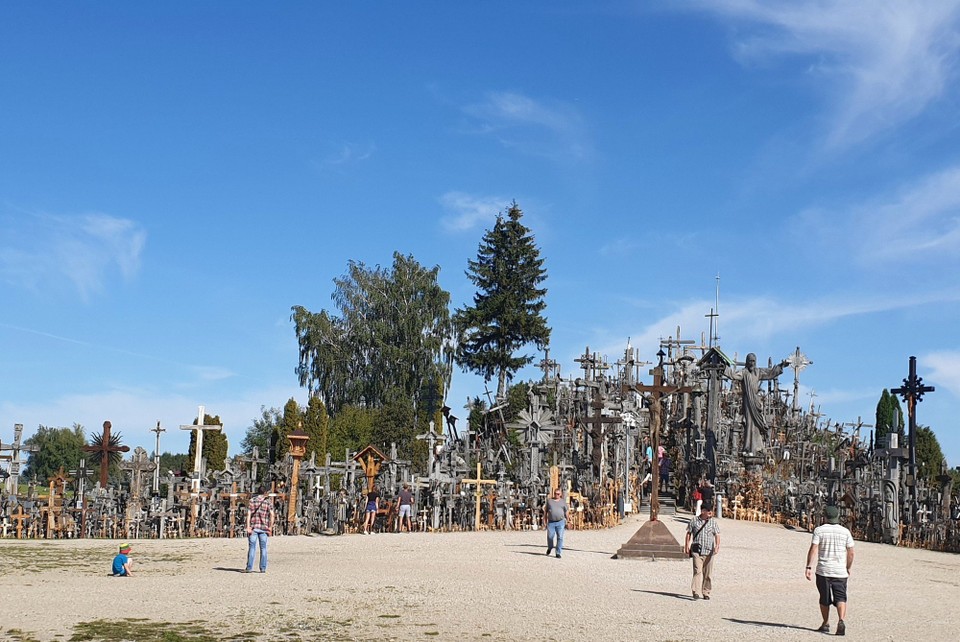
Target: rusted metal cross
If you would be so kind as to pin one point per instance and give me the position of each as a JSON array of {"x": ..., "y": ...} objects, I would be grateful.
[{"x": 105, "y": 451}]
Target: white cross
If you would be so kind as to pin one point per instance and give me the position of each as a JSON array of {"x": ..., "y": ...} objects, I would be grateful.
[{"x": 200, "y": 428}]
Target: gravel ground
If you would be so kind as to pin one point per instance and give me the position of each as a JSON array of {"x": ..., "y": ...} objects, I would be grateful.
[{"x": 474, "y": 586}]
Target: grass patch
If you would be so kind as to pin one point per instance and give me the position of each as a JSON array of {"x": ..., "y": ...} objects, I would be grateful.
[
  {"x": 16, "y": 635},
  {"x": 142, "y": 631}
]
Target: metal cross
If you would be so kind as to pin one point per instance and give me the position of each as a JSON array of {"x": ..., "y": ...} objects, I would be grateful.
[
  {"x": 912, "y": 392},
  {"x": 105, "y": 450}
]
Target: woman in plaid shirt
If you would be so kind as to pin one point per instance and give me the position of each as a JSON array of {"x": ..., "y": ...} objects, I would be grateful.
[{"x": 259, "y": 527}]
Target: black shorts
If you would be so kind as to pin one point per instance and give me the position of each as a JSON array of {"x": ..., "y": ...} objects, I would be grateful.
[{"x": 833, "y": 590}]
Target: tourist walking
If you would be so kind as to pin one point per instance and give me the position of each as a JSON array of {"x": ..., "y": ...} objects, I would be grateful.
[
  {"x": 260, "y": 516},
  {"x": 702, "y": 544},
  {"x": 405, "y": 501},
  {"x": 555, "y": 515},
  {"x": 832, "y": 550}
]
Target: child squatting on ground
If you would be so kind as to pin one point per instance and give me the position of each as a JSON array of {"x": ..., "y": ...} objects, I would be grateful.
[{"x": 122, "y": 562}]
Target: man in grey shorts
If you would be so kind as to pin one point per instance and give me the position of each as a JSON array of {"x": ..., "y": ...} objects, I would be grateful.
[{"x": 832, "y": 548}]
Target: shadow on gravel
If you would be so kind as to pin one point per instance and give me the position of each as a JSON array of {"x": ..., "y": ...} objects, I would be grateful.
[
  {"x": 776, "y": 625},
  {"x": 231, "y": 570},
  {"x": 566, "y": 549},
  {"x": 680, "y": 596}
]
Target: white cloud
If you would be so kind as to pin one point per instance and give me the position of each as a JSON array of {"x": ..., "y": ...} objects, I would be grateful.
[
  {"x": 554, "y": 130},
  {"x": 348, "y": 153},
  {"x": 81, "y": 250},
  {"x": 944, "y": 369},
  {"x": 468, "y": 211},
  {"x": 920, "y": 221},
  {"x": 885, "y": 61}
]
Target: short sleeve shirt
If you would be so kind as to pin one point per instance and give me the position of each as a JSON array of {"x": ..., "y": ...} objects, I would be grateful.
[
  {"x": 706, "y": 538},
  {"x": 832, "y": 541}
]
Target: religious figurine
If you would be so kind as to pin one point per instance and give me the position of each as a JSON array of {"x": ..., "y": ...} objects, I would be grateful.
[{"x": 755, "y": 427}]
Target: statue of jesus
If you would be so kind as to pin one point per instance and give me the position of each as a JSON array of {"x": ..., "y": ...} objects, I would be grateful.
[{"x": 754, "y": 428}]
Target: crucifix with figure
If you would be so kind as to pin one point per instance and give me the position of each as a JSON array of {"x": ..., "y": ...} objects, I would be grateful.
[
  {"x": 200, "y": 428},
  {"x": 106, "y": 447},
  {"x": 912, "y": 392},
  {"x": 654, "y": 539}
]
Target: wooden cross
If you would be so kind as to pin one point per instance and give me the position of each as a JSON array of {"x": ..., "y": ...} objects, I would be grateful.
[
  {"x": 597, "y": 431},
  {"x": 19, "y": 516},
  {"x": 370, "y": 460},
  {"x": 139, "y": 463},
  {"x": 657, "y": 391},
  {"x": 479, "y": 483},
  {"x": 15, "y": 449},
  {"x": 105, "y": 450},
  {"x": 253, "y": 460},
  {"x": 200, "y": 428},
  {"x": 912, "y": 392},
  {"x": 431, "y": 437}
]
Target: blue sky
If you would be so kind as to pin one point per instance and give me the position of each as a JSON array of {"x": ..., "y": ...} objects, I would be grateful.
[{"x": 175, "y": 176}]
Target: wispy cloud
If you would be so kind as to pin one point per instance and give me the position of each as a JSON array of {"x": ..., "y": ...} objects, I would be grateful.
[
  {"x": 346, "y": 154},
  {"x": 884, "y": 62},
  {"x": 468, "y": 211},
  {"x": 920, "y": 221},
  {"x": 40, "y": 249},
  {"x": 944, "y": 369},
  {"x": 553, "y": 130},
  {"x": 760, "y": 320}
]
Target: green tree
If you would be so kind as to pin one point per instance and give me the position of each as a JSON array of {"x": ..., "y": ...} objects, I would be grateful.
[
  {"x": 291, "y": 420},
  {"x": 394, "y": 424},
  {"x": 58, "y": 447},
  {"x": 929, "y": 456},
  {"x": 393, "y": 332},
  {"x": 259, "y": 434},
  {"x": 316, "y": 423},
  {"x": 351, "y": 429},
  {"x": 889, "y": 419},
  {"x": 176, "y": 462},
  {"x": 506, "y": 314},
  {"x": 215, "y": 444}
]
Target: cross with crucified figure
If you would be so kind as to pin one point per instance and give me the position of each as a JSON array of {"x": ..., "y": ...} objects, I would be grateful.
[
  {"x": 657, "y": 391},
  {"x": 106, "y": 447},
  {"x": 912, "y": 392}
]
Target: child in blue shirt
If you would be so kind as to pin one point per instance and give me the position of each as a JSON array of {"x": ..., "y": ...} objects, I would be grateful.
[{"x": 122, "y": 562}]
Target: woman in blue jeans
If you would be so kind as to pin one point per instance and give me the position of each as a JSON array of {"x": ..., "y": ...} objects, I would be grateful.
[{"x": 260, "y": 516}]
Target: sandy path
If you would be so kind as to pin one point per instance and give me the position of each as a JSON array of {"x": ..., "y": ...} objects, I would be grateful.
[{"x": 476, "y": 586}]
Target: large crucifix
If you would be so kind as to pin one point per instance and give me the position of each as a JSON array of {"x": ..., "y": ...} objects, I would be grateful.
[
  {"x": 654, "y": 539},
  {"x": 107, "y": 448},
  {"x": 200, "y": 427},
  {"x": 156, "y": 459},
  {"x": 657, "y": 391},
  {"x": 912, "y": 392}
]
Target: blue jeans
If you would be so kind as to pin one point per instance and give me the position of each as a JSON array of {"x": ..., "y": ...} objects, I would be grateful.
[
  {"x": 555, "y": 530},
  {"x": 255, "y": 536}
]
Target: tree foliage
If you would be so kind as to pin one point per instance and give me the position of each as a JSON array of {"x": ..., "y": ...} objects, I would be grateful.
[
  {"x": 929, "y": 456},
  {"x": 58, "y": 447},
  {"x": 351, "y": 430},
  {"x": 178, "y": 463},
  {"x": 390, "y": 335},
  {"x": 889, "y": 419},
  {"x": 215, "y": 444},
  {"x": 259, "y": 434},
  {"x": 507, "y": 308}
]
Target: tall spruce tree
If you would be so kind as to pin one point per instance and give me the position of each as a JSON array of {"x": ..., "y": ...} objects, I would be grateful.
[{"x": 506, "y": 314}]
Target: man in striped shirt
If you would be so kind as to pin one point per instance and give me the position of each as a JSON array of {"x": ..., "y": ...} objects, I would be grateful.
[
  {"x": 832, "y": 548},
  {"x": 702, "y": 544}
]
